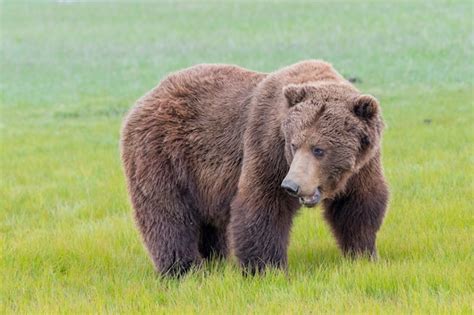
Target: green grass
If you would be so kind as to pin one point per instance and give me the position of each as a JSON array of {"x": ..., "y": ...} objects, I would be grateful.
[{"x": 70, "y": 71}]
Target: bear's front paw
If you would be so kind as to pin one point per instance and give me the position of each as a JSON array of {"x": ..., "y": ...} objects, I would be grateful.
[
  {"x": 256, "y": 266},
  {"x": 362, "y": 253}
]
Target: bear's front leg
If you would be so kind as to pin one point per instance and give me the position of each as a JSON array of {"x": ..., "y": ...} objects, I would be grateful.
[
  {"x": 259, "y": 232},
  {"x": 356, "y": 215}
]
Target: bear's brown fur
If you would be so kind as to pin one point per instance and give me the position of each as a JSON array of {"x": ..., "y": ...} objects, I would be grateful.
[{"x": 205, "y": 154}]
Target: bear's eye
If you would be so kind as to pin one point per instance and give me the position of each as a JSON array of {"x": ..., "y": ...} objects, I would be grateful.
[
  {"x": 293, "y": 147},
  {"x": 318, "y": 152}
]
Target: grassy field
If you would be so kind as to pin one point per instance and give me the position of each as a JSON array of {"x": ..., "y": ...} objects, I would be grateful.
[{"x": 69, "y": 72}]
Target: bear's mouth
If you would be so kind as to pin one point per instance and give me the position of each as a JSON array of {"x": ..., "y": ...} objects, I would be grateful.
[{"x": 311, "y": 201}]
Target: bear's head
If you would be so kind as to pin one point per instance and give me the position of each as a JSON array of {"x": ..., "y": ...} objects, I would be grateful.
[{"x": 331, "y": 131}]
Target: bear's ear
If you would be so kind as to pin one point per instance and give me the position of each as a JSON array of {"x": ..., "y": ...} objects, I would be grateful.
[
  {"x": 365, "y": 106},
  {"x": 294, "y": 94}
]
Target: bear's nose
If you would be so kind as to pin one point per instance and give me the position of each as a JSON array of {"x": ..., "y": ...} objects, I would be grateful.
[{"x": 290, "y": 186}]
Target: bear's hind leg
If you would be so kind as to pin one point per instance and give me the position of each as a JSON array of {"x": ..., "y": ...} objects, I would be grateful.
[
  {"x": 170, "y": 231},
  {"x": 158, "y": 188}
]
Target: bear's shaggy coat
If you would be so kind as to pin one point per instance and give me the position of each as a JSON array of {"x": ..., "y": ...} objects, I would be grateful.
[{"x": 205, "y": 153}]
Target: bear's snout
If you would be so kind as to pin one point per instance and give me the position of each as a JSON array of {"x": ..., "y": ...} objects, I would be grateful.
[{"x": 290, "y": 187}]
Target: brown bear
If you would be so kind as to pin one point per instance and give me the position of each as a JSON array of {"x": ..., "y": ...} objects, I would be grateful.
[{"x": 219, "y": 158}]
